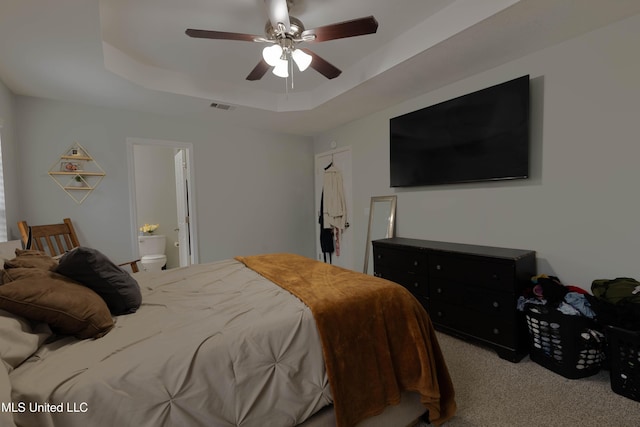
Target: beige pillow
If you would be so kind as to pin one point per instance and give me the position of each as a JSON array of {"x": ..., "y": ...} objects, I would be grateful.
[{"x": 67, "y": 306}]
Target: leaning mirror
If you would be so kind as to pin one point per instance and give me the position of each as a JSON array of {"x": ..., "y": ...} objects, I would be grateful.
[{"x": 382, "y": 213}]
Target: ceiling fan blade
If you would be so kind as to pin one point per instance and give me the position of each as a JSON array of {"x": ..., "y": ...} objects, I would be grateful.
[
  {"x": 341, "y": 30},
  {"x": 322, "y": 66},
  {"x": 278, "y": 12},
  {"x": 221, "y": 35},
  {"x": 259, "y": 71}
]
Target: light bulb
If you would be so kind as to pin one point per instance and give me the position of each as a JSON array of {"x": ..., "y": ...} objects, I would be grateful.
[
  {"x": 302, "y": 59},
  {"x": 272, "y": 54},
  {"x": 282, "y": 68}
]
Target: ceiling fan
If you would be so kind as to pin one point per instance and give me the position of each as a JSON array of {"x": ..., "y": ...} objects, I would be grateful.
[{"x": 283, "y": 33}]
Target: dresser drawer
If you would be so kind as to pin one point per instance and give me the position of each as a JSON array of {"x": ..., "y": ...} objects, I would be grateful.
[
  {"x": 469, "y": 270},
  {"x": 476, "y": 324},
  {"x": 398, "y": 259},
  {"x": 469, "y": 291},
  {"x": 415, "y": 283},
  {"x": 500, "y": 304}
]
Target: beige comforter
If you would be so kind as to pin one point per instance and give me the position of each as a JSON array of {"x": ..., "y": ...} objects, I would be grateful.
[
  {"x": 378, "y": 340},
  {"x": 212, "y": 345}
]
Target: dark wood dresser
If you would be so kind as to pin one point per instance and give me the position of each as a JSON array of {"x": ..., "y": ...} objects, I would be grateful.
[{"x": 469, "y": 291}]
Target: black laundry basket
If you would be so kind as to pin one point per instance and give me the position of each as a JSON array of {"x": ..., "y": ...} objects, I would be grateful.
[
  {"x": 624, "y": 356},
  {"x": 571, "y": 346}
]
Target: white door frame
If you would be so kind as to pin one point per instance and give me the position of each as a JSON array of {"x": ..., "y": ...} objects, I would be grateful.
[
  {"x": 182, "y": 200},
  {"x": 188, "y": 147}
]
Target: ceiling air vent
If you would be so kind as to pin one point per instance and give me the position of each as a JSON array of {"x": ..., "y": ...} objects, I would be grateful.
[{"x": 219, "y": 106}]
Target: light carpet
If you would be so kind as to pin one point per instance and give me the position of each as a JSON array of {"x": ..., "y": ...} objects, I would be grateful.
[{"x": 494, "y": 392}]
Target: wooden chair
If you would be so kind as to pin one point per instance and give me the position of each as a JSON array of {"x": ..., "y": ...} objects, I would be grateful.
[{"x": 56, "y": 239}]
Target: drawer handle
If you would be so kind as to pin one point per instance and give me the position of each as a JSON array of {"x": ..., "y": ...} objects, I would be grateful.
[
  {"x": 379, "y": 256},
  {"x": 496, "y": 304},
  {"x": 416, "y": 285},
  {"x": 439, "y": 290},
  {"x": 495, "y": 276},
  {"x": 438, "y": 267},
  {"x": 416, "y": 263},
  {"x": 496, "y": 331},
  {"x": 440, "y": 314}
]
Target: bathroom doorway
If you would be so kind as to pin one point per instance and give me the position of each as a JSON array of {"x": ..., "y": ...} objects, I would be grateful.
[{"x": 161, "y": 189}]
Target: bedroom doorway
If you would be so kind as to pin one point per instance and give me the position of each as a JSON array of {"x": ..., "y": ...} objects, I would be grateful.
[
  {"x": 341, "y": 159},
  {"x": 161, "y": 189}
]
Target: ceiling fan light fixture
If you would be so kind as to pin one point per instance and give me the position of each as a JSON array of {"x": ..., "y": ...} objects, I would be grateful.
[
  {"x": 302, "y": 59},
  {"x": 281, "y": 69},
  {"x": 284, "y": 32},
  {"x": 272, "y": 54}
]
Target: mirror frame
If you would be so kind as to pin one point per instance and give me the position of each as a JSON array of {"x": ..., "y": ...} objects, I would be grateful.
[{"x": 390, "y": 225}]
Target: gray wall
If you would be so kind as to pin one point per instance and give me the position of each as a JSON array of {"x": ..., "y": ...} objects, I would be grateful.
[
  {"x": 253, "y": 190},
  {"x": 9, "y": 155},
  {"x": 580, "y": 208}
]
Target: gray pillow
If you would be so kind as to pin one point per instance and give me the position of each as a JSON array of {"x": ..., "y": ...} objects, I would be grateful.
[{"x": 94, "y": 270}]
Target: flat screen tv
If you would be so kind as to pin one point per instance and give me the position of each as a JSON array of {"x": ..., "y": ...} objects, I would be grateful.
[{"x": 481, "y": 136}]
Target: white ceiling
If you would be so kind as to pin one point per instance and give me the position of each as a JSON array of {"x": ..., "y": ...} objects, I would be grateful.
[{"x": 135, "y": 54}]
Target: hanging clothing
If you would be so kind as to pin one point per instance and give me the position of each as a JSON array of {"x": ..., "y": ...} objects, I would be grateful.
[
  {"x": 335, "y": 206},
  {"x": 326, "y": 236}
]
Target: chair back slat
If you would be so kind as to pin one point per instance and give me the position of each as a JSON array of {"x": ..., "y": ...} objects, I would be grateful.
[
  {"x": 53, "y": 239},
  {"x": 64, "y": 236}
]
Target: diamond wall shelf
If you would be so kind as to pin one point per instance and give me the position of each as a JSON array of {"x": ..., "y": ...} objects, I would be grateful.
[{"x": 77, "y": 173}]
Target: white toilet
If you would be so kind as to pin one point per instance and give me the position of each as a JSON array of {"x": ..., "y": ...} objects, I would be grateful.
[{"x": 152, "y": 252}]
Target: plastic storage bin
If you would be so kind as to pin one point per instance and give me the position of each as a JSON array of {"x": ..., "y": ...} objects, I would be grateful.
[
  {"x": 571, "y": 346},
  {"x": 624, "y": 357}
]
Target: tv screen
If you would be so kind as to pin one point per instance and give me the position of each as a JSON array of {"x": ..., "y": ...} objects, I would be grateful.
[{"x": 482, "y": 136}]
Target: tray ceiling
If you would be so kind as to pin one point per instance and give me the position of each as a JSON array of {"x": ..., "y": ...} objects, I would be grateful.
[{"x": 135, "y": 54}]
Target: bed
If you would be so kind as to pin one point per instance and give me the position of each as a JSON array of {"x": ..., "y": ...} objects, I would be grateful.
[{"x": 268, "y": 340}]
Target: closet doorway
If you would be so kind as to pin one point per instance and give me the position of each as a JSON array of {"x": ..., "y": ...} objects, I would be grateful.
[
  {"x": 161, "y": 188},
  {"x": 341, "y": 159}
]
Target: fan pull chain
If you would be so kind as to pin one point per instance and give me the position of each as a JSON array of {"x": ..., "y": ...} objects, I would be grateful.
[
  {"x": 291, "y": 71},
  {"x": 286, "y": 88},
  {"x": 286, "y": 80}
]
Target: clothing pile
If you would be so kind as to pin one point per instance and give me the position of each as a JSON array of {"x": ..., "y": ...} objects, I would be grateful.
[
  {"x": 565, "y": 337},
  {"x": 617, "y": 305},
  {"x": 549, "y": 292},
  {"x": 616, "y": 302}
]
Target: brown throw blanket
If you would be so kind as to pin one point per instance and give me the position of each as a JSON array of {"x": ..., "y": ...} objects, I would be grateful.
[{"x": 377, "y": 339}]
